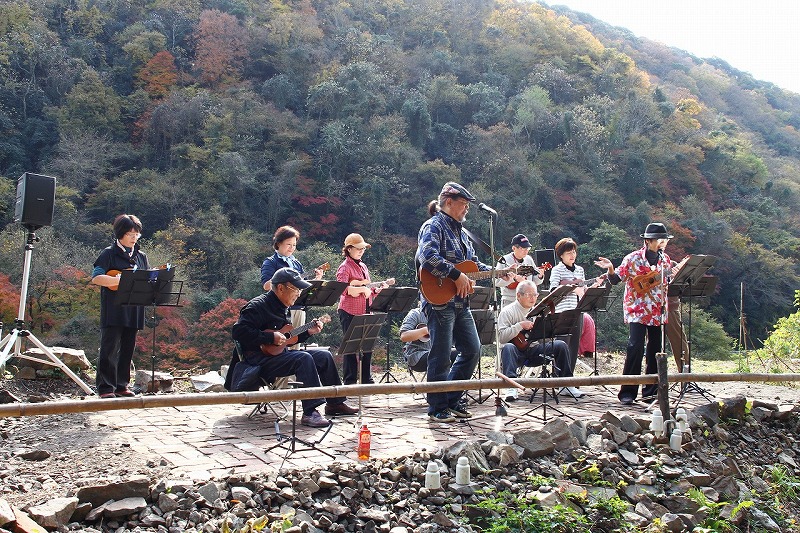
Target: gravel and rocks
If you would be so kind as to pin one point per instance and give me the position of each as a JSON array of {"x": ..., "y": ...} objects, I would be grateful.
[{"x": 727, "y": 456}]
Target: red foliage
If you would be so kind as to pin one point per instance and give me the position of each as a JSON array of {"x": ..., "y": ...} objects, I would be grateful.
[
  {"x": 158, "y": 75},
  {"x": 211, "y": 335},
  {"x": 9, "y": 300}
]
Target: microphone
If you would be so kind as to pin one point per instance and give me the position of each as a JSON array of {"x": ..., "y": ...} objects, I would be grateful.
[
  {"x": 483, "y": 207},
  {"x": 660, "y": 253}
]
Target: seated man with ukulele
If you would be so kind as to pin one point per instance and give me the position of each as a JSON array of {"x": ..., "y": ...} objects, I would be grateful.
[
  {"x": 264, "y": 331},
  {"x": 512, "y": 326}
]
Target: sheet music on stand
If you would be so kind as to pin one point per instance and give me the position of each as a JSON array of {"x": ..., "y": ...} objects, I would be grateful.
[
  {"x": 693, "y": 269},
  {"x": 395, "y": 300},
  {"x": 702, "y": 288},
  {"x": 480, "y": 298},
  {"x": 595, "y": 299},
  {"x": 551, "y": 300},
  {"x": 360, "y": 338},
  {"x": 152, "y": 286},
  {"x": 322, "y": 293},
  {"x": 553, "y": 325},
  {"x": 484, "y": 323}
]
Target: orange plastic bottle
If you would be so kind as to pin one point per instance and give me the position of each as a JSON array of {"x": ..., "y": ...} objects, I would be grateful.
[{"x": 364, "y": 440}]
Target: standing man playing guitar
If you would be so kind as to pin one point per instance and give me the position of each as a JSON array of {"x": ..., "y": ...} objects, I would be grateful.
[
  {"x": 520, "y": 246},
  {"x": 644, "y": 304},
  {"x": 119, "y": 324},
  {"x": 442, "y": 243},
  {"x": 259, "y": 331},
  {"x": 513, "y": 325}
]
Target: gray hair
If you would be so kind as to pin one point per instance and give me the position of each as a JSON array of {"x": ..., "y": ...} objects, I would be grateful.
[{"x": 526, "y": 284}]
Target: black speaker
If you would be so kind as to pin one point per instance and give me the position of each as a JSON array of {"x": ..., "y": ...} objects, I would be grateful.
[{"x": 36, "y": 196}]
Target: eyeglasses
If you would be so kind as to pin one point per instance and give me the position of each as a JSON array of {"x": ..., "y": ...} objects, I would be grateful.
[
  {"x": 291, "y": 287},
  {"x": 133, "y": 234},
  {"x": 529, "y": 294}
]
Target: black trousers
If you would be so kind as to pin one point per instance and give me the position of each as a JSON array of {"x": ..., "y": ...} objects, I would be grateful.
[
  {"x": 633, "y": 359},
  {"x": 114, "y": 364}
]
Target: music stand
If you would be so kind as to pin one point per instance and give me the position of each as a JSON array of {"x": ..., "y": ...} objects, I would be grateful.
[
  {"x": 321, "y": 293},
  {"x": 480, "y": 298},
  {"x": 393, "y": 300},
  {"x": 682, "y": 285},
  {"x": 479, "y": 302},
  {"x": 360, "y": 337},
  {"x": 549, "y": 327},
  {"x": 549, "y": 302},
  {"x": 153, "y": 287},
  {"x": 595, "y": 299},
  {"x": 293, "y": 439}
]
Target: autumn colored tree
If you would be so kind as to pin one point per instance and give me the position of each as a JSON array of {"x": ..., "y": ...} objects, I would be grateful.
[
  {"x": 9, "y": 300},
  {"x": 158, "y": 75},
  {"x": 220, "y": 49},
  {"x": 211, "y": 335}
]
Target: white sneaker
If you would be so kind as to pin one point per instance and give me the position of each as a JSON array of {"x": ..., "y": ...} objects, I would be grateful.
[
  {"x": 572, "y": 391},
  {"x": 510, "y": 394}
]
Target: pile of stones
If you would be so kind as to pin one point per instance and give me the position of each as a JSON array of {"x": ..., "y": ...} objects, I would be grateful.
[{"x": 724, "y": 454}]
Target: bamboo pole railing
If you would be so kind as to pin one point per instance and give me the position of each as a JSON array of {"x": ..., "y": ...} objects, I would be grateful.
[{"x": 91, "y": 404}]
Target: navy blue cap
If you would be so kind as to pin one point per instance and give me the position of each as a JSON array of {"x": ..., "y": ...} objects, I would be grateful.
[{"x": 289, "y": 275}]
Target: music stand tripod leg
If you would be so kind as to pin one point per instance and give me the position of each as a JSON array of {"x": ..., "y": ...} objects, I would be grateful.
[{"x": 289, "y": 442}]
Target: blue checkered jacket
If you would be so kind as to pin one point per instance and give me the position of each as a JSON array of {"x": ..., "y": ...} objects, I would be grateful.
[{"x": 441, "y": 244}]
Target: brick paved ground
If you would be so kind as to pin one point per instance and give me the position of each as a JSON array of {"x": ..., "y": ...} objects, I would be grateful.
[{"x": 205, "y": 441}]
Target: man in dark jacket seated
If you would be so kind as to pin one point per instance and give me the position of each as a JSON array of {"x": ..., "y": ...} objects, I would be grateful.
[{"x": 257, "y": 331}]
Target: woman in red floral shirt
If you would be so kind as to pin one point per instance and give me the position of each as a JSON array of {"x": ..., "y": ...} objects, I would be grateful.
[
  {"x": 644, "y": 304},
  {"x": 354, "y": 301}
]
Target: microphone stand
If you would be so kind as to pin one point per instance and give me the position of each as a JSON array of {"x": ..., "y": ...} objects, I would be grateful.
[{"x": 500, "y": 409}]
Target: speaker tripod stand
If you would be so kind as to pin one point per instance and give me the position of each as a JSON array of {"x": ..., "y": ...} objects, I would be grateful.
[{"x": 11, "y": 345}]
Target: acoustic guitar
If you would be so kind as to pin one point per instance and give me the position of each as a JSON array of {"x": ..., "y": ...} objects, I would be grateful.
[
  {"x": 291, "y": 335},
  {"x": 439, "y": 291},
  {"x": 114, "y": 273}
]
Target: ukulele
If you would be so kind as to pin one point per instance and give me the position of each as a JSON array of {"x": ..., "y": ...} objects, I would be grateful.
[
  {"x": 291, "y": 335},
  {"x": 114, "y": 273},
  {"x": 583, "y": 282},
  {"x": 324, "y": 267},
  {"x": 524, "y": 338},
  {"x": 544, "y": 267},
  {"x": 643, "y": 283},
  {"x": 376, "y": 284},
  {"x": 439, "y": 291}
]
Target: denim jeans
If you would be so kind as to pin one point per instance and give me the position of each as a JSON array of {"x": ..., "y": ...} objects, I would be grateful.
[
  {"x": 512, "y": 358},
  {"x": 449, "y": 325}
]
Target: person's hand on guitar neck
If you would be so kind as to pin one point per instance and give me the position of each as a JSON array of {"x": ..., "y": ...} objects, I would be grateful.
[{"x": 316, "y": 328}]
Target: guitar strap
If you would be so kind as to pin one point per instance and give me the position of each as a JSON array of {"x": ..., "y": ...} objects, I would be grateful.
[{"x": 479, "y": 243}]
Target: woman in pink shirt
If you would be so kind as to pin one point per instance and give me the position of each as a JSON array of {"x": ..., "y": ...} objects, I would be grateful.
[{"x": 355, "y": 300}]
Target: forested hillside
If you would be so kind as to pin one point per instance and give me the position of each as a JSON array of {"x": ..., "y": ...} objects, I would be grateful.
[{"x": 217, "y": 121}]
